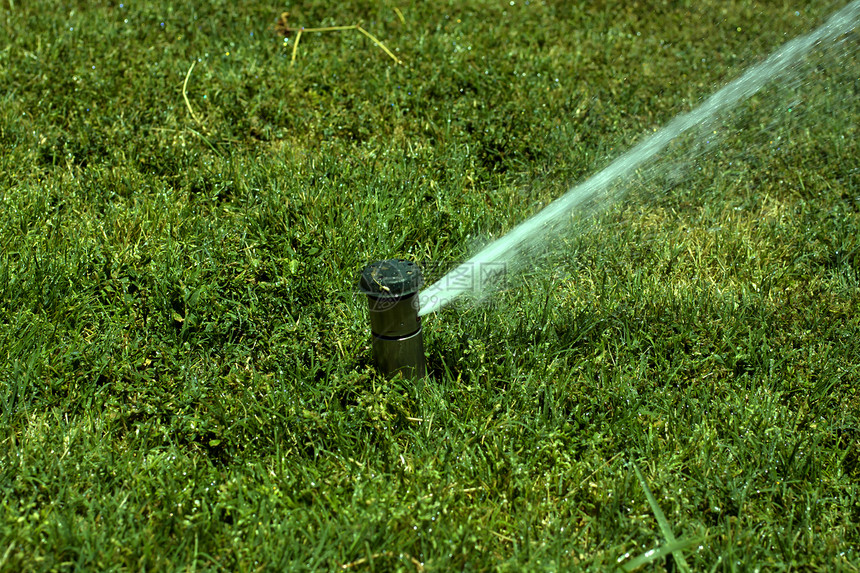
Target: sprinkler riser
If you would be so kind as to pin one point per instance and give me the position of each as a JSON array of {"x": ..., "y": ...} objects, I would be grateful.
[
  {"x": 397, "y": 341},
  {"x": 403, "y": 355},
  {"x": 394, "y": 318}
]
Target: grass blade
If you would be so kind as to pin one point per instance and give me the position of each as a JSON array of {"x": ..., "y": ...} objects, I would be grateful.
[
  {"x": 665, "y": 528},
  {"x": 659, "y": 553}
]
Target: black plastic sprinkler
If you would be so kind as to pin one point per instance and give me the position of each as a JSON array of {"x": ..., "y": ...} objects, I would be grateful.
[{"x": 392, "y": 294}]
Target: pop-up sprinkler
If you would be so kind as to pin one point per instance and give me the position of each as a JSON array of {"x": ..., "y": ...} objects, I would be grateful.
[{"x": 392, "y": 293}]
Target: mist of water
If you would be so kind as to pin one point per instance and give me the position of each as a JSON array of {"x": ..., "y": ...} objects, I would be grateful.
[{"x": 590, "y": 194}]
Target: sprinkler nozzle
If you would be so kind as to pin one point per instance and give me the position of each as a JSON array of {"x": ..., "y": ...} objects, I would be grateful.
[{"x": 392, "y": 288}]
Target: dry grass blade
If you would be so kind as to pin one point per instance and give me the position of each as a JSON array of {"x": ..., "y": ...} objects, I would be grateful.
[
  {"x": 185, "y": 95},
  {"x": 282, "y": 28},
  {"x": 295, "y": 47},
  {"x": 378, "y": 43}
]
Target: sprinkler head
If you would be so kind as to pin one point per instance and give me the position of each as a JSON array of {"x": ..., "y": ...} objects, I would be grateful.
[{"x": 392, "y": 288}]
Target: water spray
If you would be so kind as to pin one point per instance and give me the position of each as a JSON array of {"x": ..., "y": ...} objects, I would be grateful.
[
  {"x": 392, "y": 288},
  {"x": 527, "y": 234}
]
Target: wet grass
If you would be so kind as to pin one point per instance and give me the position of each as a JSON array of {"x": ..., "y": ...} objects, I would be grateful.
[{"x": 185, "y": 366}]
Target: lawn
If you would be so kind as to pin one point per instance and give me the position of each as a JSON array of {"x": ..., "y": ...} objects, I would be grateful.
[{"x": 187, "y": 198}]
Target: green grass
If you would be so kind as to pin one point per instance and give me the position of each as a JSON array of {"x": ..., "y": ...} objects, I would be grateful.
[{"x": 185, "y": 365}]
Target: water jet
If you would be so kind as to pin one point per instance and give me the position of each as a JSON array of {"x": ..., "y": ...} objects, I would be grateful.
[
  {"x": 391, "y": 287},
  {"x": 598, "y": 190}
]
